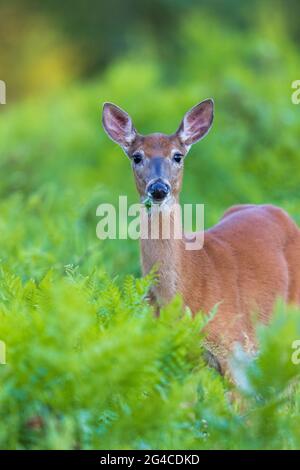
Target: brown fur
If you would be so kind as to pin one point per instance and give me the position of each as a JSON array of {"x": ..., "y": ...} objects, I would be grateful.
[{"x": 249, "y": 259}]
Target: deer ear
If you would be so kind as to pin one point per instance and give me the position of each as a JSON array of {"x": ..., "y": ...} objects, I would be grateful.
[
  {"x": 196, "y": 122},
  {"x": 118, "y": 125}
]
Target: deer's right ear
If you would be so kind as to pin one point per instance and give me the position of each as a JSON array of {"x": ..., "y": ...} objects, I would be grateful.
[
  {"x": 196, "y": 122},
  {"x": 118, "y": 125}
]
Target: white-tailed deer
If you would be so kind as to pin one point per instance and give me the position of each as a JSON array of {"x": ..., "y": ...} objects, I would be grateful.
[{"x": 249, "y": 259}]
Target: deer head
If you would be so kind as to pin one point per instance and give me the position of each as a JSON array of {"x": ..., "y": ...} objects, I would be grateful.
[{"x": 158, "y": 159}]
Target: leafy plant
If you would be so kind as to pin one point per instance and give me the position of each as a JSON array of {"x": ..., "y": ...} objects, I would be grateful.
[{"x": 88, "y": 365}]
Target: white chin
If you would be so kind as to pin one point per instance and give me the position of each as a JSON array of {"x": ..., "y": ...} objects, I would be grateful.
[{"x": 164, "y": 204}]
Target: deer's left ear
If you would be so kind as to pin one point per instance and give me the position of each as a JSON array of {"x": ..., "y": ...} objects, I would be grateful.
[
  {"x": 196, "y": 122},
  {"x": 118, "y": 125}
]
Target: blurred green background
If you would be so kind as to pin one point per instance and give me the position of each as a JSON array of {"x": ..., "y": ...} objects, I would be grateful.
[{"x": 155, "y": 58}]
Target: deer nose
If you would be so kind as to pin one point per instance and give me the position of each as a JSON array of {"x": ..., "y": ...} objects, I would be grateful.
[{"x": 158, "y": 190}]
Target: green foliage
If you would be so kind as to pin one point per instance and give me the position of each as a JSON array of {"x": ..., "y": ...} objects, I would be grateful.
[
  {"x": 88, "y": 365},
  {"x": 45, "y": 45}
]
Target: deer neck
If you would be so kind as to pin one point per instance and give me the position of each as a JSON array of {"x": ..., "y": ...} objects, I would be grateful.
[{"x": 161, "y": 247}]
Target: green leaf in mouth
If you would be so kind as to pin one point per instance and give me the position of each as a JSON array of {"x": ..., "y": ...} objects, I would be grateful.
[{"x": 148, "y": 204}]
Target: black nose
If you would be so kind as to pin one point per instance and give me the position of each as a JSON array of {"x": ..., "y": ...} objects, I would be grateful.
[{"x": 158, "y": 190}]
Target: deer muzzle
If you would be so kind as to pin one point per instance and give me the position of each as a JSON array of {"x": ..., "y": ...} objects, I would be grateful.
[{"x": 158, "y": 190}]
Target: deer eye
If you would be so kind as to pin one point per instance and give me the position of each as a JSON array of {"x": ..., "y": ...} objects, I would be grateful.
[
  {"x": 137, "y": 158},
  {"x": 177, "y": 157}
]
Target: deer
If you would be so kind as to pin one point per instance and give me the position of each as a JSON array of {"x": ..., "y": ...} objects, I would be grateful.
[{"x": 248, "y": 260}]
